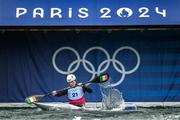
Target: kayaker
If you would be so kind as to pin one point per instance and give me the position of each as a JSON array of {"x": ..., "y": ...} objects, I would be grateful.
[{"x": 75, "y": 93}]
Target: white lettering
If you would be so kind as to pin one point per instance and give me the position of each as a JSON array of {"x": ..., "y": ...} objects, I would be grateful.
[
  {"x": 70, "y": 13},
  {"x": 56, "y": 12},
  {"x": 105, "y": 13},
  {"x": 20, "y": 11},
  {"x": 144, "y": 11},
  {"x": 83, "y": 13},
  {"x": 163, "y": 13},
  {"x": 38, "y": 11},
  {"x": 124, "y": 12}
]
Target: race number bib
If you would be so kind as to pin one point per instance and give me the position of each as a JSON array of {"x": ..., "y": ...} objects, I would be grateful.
[{"x": 75, "y": 93}]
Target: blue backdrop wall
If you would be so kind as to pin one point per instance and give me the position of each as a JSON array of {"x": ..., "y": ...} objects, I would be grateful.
[{"x": 144, "y": 65}]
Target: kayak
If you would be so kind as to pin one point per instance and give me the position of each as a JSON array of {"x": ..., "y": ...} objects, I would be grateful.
[
  {"x": 69, "y": 107},
  {"x": 56, "y": 106}
]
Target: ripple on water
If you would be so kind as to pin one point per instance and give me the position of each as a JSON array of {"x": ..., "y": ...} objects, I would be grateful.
[{"x": 143, "y": 114}]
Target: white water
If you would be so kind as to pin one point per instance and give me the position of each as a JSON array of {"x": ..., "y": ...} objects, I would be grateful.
[{"x": 143, "y": 114}]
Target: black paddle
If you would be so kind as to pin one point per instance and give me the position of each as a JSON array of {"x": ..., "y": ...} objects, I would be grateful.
[{"x": 99, "y": 79}]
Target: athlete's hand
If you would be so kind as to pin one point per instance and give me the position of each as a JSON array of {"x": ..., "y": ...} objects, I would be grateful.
[{"x": 53, "y": 93}]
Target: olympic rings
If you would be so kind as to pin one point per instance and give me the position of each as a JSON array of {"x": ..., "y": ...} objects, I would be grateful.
[
  {"x": 96, "y": 48},
  {"x": 54, "y": 58},
  {"x": 99, "y": 70}
]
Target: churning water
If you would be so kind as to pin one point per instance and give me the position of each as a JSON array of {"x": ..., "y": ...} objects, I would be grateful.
[{"x": 141, "y": 114}]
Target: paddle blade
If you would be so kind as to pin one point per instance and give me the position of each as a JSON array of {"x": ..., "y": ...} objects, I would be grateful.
[
  {"x": 32, "y": 99},
  {"x": 102, "y": 78}
]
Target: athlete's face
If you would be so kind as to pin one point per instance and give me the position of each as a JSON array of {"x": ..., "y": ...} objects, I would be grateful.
[{"x": 72, "y": 83}]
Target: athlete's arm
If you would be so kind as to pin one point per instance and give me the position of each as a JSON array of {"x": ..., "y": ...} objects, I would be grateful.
[{"x": 61, "y": 93}]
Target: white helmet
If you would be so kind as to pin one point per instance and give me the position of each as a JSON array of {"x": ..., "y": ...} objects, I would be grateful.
[{"x": 70, "y": 78}]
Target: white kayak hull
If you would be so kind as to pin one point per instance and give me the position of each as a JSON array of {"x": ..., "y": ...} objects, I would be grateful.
[
  {"x": 55, "y": 106},
  {"x": 66, "y": 106}
]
